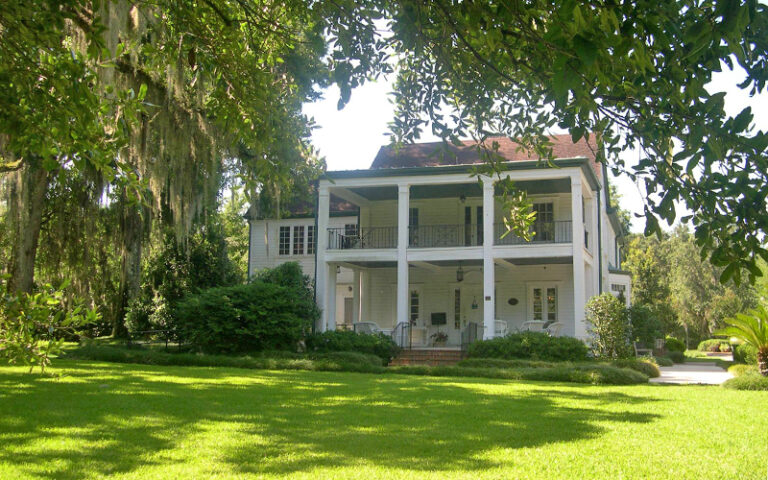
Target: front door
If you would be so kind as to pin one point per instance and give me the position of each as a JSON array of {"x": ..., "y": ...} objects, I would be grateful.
[{"x": 467, "y": 308}]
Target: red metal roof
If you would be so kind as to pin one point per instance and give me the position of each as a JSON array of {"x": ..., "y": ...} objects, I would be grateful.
[{"x": 440, "y": 154}]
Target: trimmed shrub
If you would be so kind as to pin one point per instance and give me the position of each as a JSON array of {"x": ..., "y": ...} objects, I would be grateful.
[
  {"x": 711, "y": 345},
  {"x": 740, "y": 369},
  {"x": 664, "y": 361},
  {"x": 646, "y": 366},
  {"x": 610, "y": 328},
  {"x": 725, "y": 347},
  {"x": 347, "y": 341},
  {"x": 675, "y": 356},
  {"x": 745, "y": 353},
  {"x": 501, "y": 363},
  {"x": 673, "y": 344},
  {"x": 530, "y": 345},
  {"x": 747, "y": 382},
  {"x": 257, "y": 316},
  {"x": 344, "y": 361}
]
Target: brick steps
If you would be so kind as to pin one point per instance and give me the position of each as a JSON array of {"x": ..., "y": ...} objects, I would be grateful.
[{"x": 428, "y": 357}]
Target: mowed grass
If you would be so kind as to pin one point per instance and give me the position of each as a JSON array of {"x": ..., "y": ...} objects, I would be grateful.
[{"x": 98, "y": 420}]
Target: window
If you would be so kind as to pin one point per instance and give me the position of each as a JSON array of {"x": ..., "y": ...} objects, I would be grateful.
[
  {"x": 311, "y": 240},
  {"x": 544, "y": 226},
  {"x": 413, "y": 227},
  {"x": 457, "y": 308},
  {"x": 414, "y": 306},
  {"x": 544, "y": 303},
  {"x": 620, "y": 291},
  {"x": 298, "y": 240},
  {"x": 284, "y": 245}
]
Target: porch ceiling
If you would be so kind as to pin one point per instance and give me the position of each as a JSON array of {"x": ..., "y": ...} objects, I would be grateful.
[
  {"x": 418, "y": 192},
  {"x": 540, "y": 261}
]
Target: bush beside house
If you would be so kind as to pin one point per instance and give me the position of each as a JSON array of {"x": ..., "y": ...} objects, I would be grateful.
[
  {"x": 347, "y": 341},
  {"x": 530, "y": 345},
  {"x": 274, "y": 311},
  {"x": 610, "y": 328}
]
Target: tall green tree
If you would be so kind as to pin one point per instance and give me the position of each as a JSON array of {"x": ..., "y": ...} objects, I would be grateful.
[{"x": 625, "y": 74}]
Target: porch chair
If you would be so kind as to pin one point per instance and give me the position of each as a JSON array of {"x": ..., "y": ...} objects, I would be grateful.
[
  {"x": 367, "y": 327},
  {"x": 554, "y": 329},
  {"x": 500, "y": 328},
  {"x": 533, "y": 326}
]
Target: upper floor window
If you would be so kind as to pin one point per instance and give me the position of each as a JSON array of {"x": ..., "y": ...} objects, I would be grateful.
[
  {"x": 544, "y": 225},
  {"x": 311, "y": 240},
  {"x": 298, "y": 240},
  {"x": 284, "y": 246}
]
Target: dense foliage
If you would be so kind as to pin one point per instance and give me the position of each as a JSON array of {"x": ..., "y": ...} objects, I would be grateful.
[
  {"x": 609, "y": 327},
  {"x": 348, "y": 341},
  {"x": 33, "y": 326},
  {"x": 673, "y": 344},
  {"x": 256, "y": 316},
  {"x": 746, "y": 354},
  {"x": 711, "y": 345},
  {"x": 646, "y": 326},
  {"x": 679, "y": 290},
  {"x": 530, "y": 345}
]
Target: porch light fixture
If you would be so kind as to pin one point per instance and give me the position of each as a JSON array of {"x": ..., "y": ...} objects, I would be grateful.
[{"x": 459, "y": 274}]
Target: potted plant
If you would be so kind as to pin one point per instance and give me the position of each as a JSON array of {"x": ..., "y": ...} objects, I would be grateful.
[{"x": 439, "y": 339}]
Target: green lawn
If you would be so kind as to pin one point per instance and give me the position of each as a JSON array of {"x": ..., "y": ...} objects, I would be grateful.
[{"x": 99, "y": 420}]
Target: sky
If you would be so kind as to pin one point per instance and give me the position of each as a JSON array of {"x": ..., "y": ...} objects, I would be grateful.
[{"x": 350, "y": 138}]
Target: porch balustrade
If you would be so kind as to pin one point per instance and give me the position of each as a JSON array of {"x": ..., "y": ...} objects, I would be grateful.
[
  {"x": 362, "y": 238},
  {"x": 542, "y": 232},
  {"x": 436, "y": 236}
]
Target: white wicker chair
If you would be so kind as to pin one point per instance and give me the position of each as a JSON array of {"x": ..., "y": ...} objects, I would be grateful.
[
  {"x": 533, "y": 326},
  {"x": 500, "y": 328},
  {"x": 554, "y": 329}
]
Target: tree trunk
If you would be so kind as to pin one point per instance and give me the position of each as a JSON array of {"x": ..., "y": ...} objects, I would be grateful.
[
  {"x": 762, "y": 362},
  {"x": 132, "y": 229},
  {"x": 26, "y": 203}
]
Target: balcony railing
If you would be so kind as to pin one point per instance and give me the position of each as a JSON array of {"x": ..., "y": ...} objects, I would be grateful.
[
  {"x": 437, "y": 236},
  {"x": 363, "y": 238},
  {"x": 542, "y": 232},
  {"x": 431, "y": 236}
]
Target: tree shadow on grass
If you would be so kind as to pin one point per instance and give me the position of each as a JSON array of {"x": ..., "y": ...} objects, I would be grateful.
[{"x": 104, "y": 419}]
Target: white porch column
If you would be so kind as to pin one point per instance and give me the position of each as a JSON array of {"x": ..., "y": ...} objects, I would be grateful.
[
  {"x": 489, "y": 268},
  {"x": 579, "y": 290},
  {"x": 356, "y": 296},
  {"x": 331, "y": 295},
  {"x": 594, "y": 241},
  {"x": 403, "y": 194},
  {"x": 321, "y": 274}
]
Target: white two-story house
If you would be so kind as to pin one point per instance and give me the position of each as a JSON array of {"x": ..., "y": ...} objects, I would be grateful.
[{"x": 416, "y": 245}]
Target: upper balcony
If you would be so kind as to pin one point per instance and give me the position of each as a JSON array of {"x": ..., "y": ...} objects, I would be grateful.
[{"x": 445, "y": 236}]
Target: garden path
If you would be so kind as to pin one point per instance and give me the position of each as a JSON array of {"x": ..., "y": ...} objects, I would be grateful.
[{"x": 697, "y": 373}]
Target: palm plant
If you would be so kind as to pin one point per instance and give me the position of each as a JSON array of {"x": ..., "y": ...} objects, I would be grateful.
[{"x": 752, "y": 329}]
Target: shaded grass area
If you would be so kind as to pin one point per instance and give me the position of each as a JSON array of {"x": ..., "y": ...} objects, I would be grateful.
[
  {"x": 101, "y": 420},
  {"x": 594, "y": 373}
]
